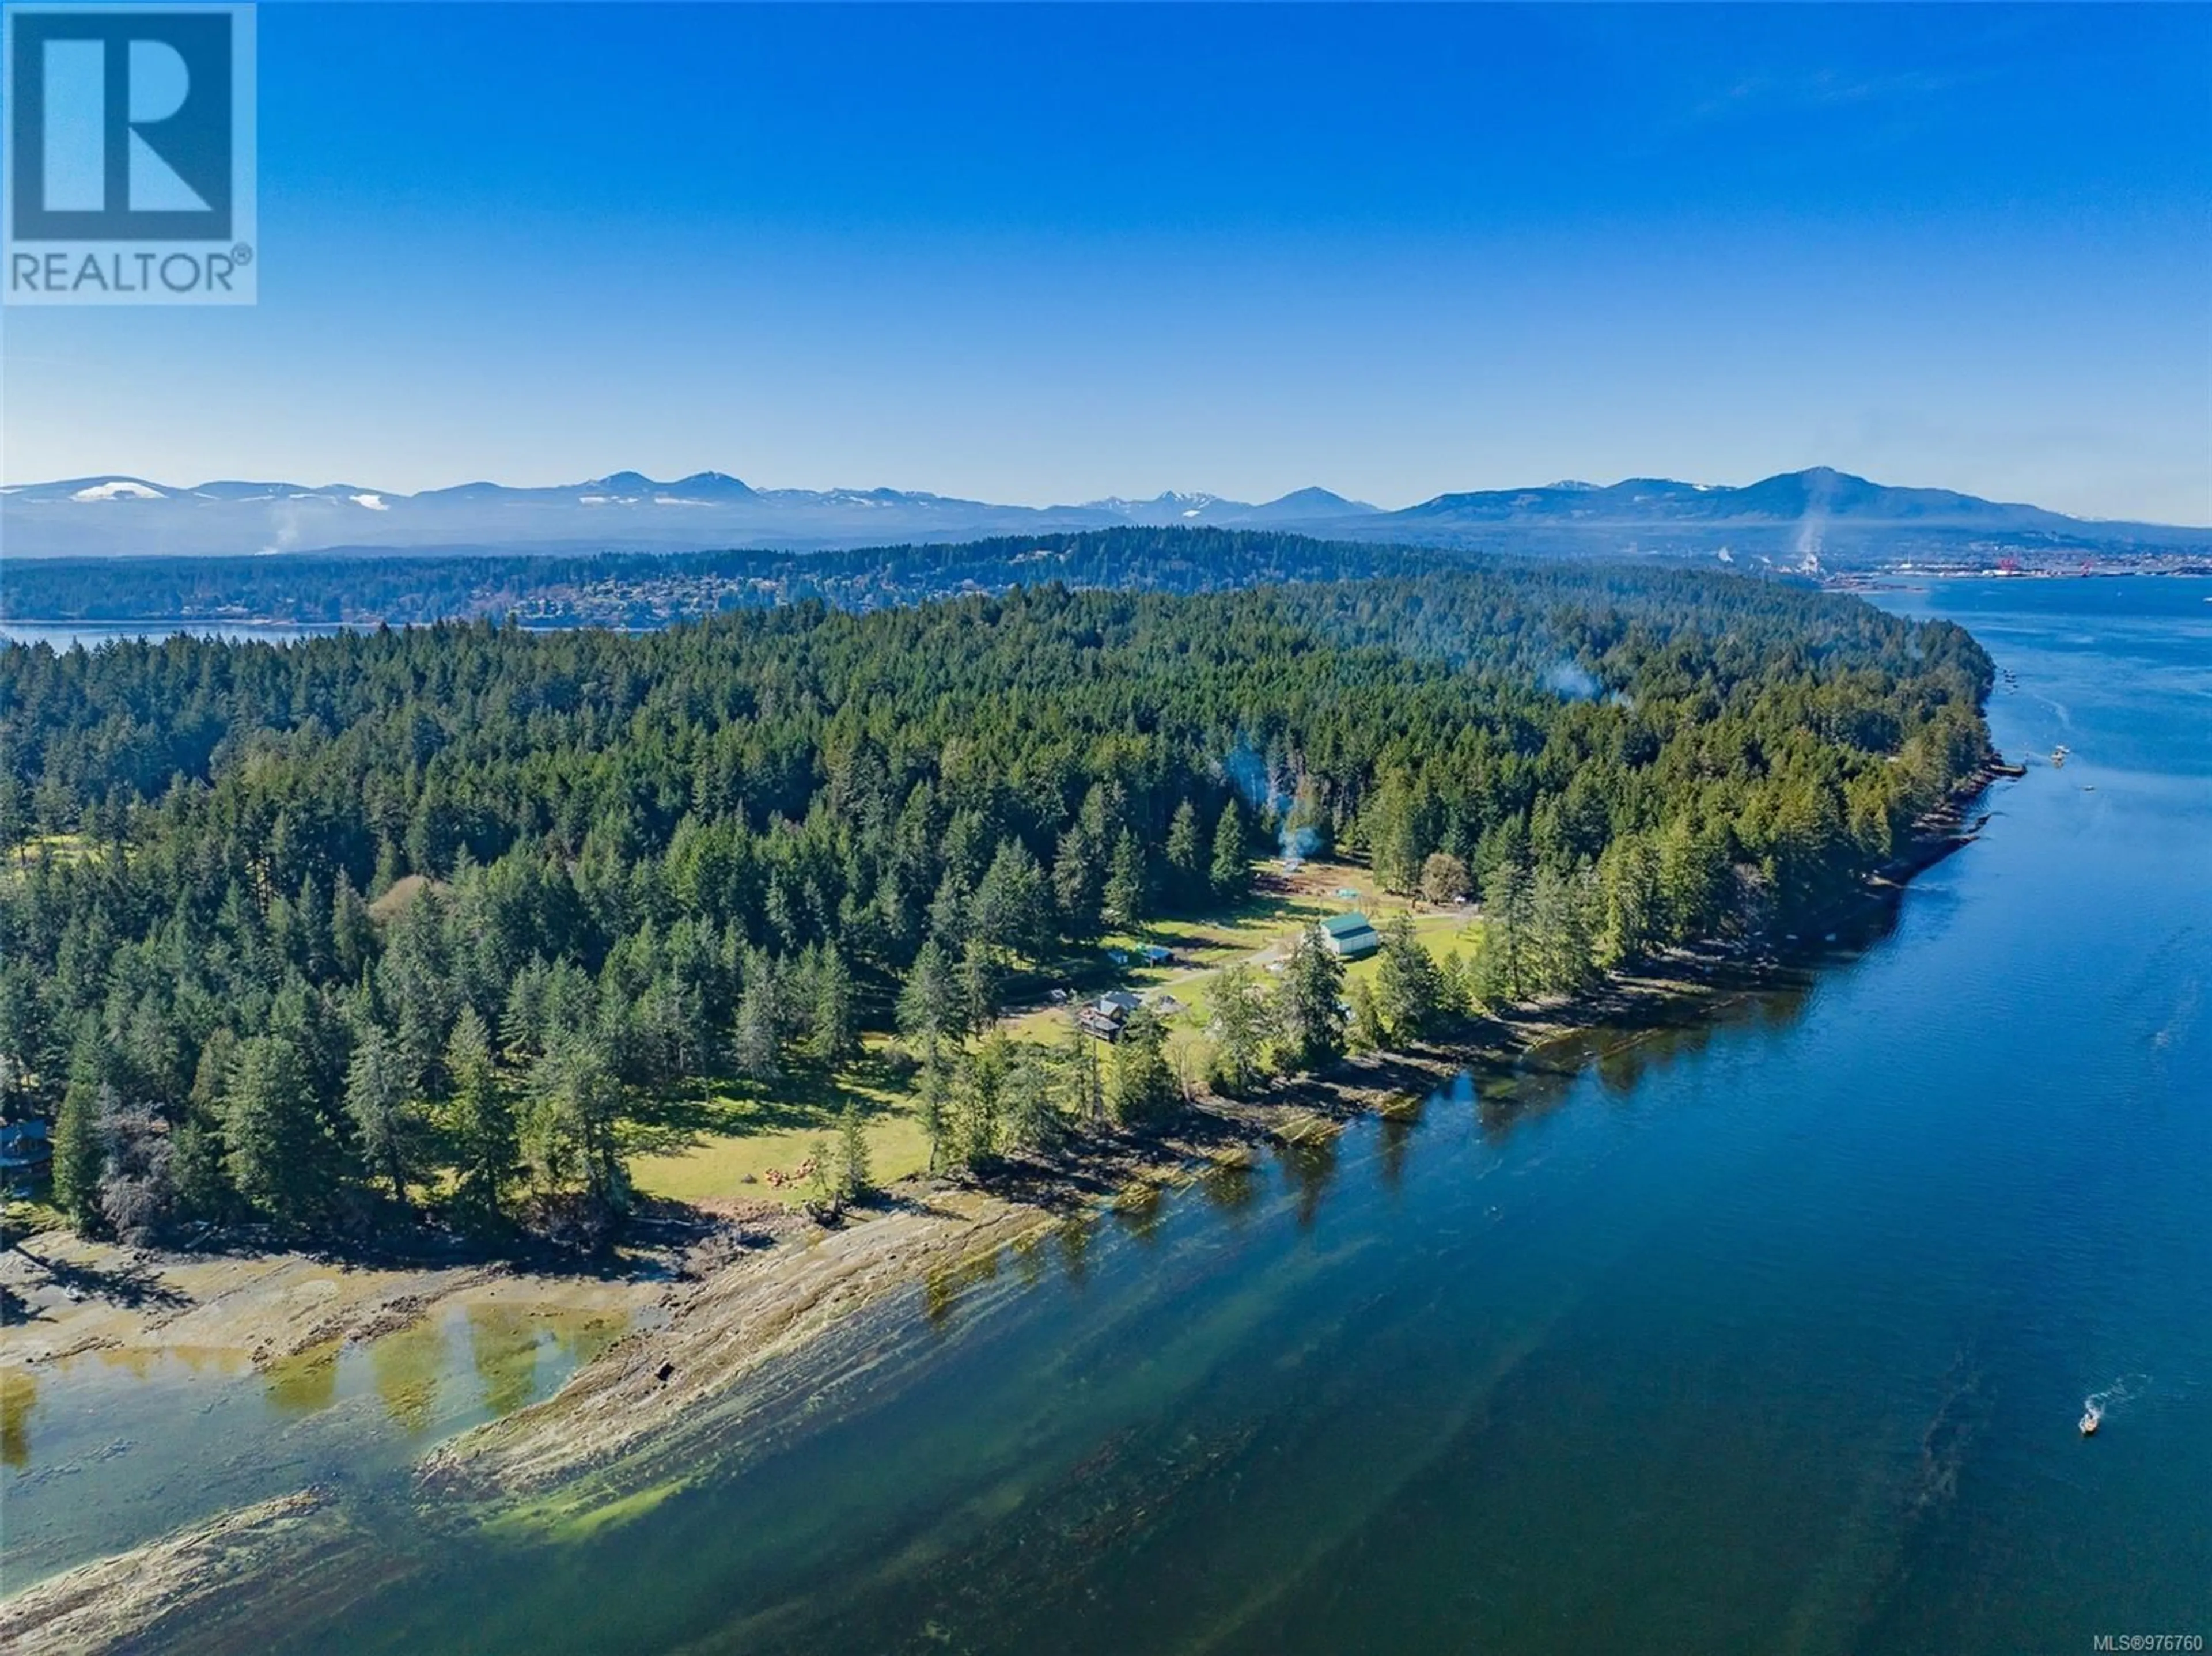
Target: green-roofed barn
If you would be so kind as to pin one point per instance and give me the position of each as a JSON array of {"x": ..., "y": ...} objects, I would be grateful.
[{"x": 1349, "y": 937}]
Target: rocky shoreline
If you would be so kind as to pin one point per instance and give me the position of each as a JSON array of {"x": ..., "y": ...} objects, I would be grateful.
[
  {"x": 602, "y": 1443},
  {"x": 598, "y": 1444}
]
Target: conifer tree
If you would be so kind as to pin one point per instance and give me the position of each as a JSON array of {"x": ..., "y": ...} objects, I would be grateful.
[
  {"x": 1364, "y": 1031},
  {"x": 929, "y": 1002},
  {"x": 277, "y": 1150},
  {"x": 1230, "y": 872},
  {"x": 1559, "y": 930},
  {"x": 1128, "y": 902},
  {"x": 1075, "y": 883},
  {"x": 1033, "y": 1121},
  {"x": 486, "y": 1149},
  {"x": 1508, "y": 959},
  {"x": 823, "y": 1176},
  {"x": 1455, "y": 984},
  {"x": 982, "y": 1078},
  {"x": 1085, "y": 1084},
  {"x": 1187, "y": 866},
  {"x": 376, "y": 1100},
  {"x": 1408, "y": 993},
  {"x": 1691, "y": 875},
  {"x": 1140, "y": 1088},
  {"x": 1310, "y": 1015},
  {"x": 1392, "y": 822},
  {"x": 1243, "y": 1023},
  {"x": 835, "y": 1032},
  {"x": 569, "y": 1134},
  {"x": 933, "y": 1104},
  {"x": 1628, "y": 881},
  {"x": 757, "y": 1047},
  {"x": 855, "y": 1179},
  {"x": 77, "y": 1145},
  {"x": 979, "y": 985},
  {"x": 1012, "y": 910}
]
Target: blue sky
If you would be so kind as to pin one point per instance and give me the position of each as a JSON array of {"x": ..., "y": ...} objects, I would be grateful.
[{"x": 1047, "y": 253}]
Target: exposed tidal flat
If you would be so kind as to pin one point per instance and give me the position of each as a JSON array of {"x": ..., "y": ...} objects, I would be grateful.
[
  {"x": 1755, "y": 1321},
  {"x": 516, "y": 1402},
  {"x": 139, "y": 1392}
]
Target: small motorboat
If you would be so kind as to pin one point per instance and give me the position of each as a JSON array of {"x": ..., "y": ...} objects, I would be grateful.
[{"x": 2091, "y": 1419}]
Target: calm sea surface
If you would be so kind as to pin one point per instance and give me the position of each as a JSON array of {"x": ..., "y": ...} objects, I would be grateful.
[
  {"x": 1766, "y": 1332},
  {"x": 91, "y": 634}
]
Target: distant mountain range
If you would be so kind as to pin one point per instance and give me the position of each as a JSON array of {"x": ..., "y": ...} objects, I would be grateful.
[{"x": 1815, "y": 517}]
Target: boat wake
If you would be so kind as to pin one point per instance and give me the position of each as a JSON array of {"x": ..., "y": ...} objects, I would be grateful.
[{"x": 2126, "y": 1389}]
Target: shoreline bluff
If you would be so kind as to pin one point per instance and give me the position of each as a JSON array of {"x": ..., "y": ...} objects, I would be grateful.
[{"x": 562, "y": 1459}]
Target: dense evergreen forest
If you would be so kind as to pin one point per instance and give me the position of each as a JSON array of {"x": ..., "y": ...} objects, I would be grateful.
[
  {"x": 398, "y": 922},
  {"x": 644, "y": 590}
]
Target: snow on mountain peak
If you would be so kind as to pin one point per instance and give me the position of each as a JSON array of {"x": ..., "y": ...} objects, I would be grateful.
[{"x": 118, "y": 488}]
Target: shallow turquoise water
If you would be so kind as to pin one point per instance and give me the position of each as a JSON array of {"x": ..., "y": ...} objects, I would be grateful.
[
  {"x": 108, "y": 1449},
  {"x": 1763, "y": 1332}
]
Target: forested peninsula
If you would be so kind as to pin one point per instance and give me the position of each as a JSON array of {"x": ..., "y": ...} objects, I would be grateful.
[{"x": 417, "y": 928}]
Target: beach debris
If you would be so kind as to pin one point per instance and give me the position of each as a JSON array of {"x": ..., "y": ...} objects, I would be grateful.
[{"x": 798, "y": 1175}]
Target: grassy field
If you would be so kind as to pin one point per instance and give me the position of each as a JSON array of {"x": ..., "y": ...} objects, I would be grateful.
[
  {"x": 720, "y": 1144},
  {"x": 57, "y": 848},
  {"x": 1257, "y": 931}
]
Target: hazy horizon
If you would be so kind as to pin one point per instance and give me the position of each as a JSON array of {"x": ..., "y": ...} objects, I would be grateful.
[{"x": 770, "y": 486}]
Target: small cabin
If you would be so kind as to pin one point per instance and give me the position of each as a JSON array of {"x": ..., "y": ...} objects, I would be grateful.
[{"x": 1349, "y": 937}]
